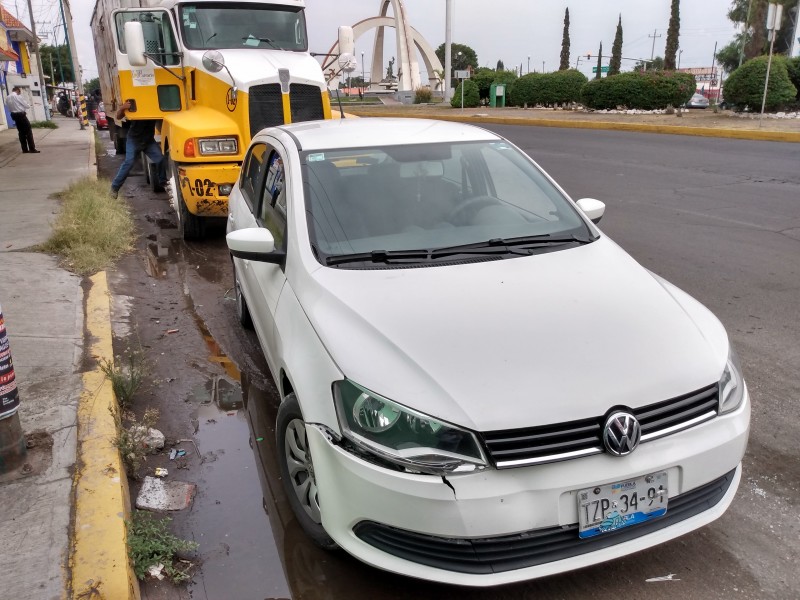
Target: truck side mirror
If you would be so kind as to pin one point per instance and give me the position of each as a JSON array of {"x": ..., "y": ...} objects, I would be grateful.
[
  {"x": 347, "y": 44},
  {"x": 134, "y": 44}
]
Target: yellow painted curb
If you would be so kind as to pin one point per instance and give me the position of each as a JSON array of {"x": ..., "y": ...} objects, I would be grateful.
[
  {"x": 99, "y": 556},
  {"x": 740, "y": 134}
]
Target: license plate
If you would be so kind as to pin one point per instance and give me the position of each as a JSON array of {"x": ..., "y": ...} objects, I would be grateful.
[{"x": 613, "y": 506}]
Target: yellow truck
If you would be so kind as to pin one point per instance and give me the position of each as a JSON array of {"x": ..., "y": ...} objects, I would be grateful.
[{"x": 213, "y": 73}]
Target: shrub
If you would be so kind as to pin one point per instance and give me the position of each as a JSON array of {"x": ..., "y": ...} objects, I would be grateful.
[
  {"x": 526, "y": 90},
  {"x": 423, "y": 95},
  {"x": 44, "y": 125},
  {"x": 647, "y": 91},
  {"x": 745, "y": 86},
  {"x": 793, "y": 67},
  {"x": 150, "y": 543},
  {"x": 562, "y": 87},
  {"x": 471, "y": 95}
]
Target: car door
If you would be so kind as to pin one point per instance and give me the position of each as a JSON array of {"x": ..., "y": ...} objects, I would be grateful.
[{"x": 267, "y": 279}]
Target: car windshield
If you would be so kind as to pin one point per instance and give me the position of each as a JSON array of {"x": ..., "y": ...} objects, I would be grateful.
[
  {"x": 431, "y": 196},
  {"x": 221, "y": 25}
]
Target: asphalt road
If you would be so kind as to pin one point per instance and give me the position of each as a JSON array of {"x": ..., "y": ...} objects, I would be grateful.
[{"x": 719, "y": 218}]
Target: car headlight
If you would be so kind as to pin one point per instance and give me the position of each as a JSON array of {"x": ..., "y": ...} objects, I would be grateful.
[
  {"x": 403, "y": 436},
  {"x": 731, "y": 385},
  {"x": 218, "y": 146}
]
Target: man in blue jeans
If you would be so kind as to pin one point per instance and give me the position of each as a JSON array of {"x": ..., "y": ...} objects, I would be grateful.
[{"x": 141, "y": 138}]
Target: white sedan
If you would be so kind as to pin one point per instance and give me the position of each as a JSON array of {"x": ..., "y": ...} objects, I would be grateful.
[{"x": 478, "y": 386}]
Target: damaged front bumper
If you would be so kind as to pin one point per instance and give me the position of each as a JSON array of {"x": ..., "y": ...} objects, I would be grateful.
[
  {"x": 205, "y": 187},
  {"x": 432, "y": 527}
]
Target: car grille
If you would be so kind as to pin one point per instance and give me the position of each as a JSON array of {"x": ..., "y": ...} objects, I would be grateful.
[
  {"x": 574, "y": 439},
  {"x": 266, "y": 105},
  {"x": 540, "y": 546},
  {"x": 306, "y": 103}
]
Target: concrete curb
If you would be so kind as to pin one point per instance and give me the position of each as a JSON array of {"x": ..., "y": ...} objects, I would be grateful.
[
  {"x": 740, "y": 134},
  {"x": 99, "y": 556}
]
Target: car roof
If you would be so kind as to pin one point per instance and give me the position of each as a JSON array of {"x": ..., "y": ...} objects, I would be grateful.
[{"x": 370, "y": 132}]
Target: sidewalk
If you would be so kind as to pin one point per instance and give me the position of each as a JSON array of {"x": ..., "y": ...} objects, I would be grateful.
[{"x": 44, "y": 313}]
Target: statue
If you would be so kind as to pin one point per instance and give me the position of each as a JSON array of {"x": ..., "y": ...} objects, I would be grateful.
[{"x": 390, "y": 70}]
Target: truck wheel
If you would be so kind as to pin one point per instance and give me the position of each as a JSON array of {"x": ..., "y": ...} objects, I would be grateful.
[
  {"x": 119, "y": 145},
  {"x": 192, "y": 227},
  {"x": 152, "y": 176},
  {"x": 297, "y": 471}
]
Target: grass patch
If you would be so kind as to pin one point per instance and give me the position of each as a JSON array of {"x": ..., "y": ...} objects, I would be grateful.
[
  {"x": 151, "y": 544},
  {"x": 93, "y": 229},
  {"x": 44, "y": 125}
]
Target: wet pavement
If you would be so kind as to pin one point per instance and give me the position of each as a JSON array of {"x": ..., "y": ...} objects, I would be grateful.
[{"x": 174, "y": 301}]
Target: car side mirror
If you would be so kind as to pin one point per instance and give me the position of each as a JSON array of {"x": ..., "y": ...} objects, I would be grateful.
[
  {"x": 254, "y": 243},
  {"x": 594, "y": 209},
  {"x": 134, "y": 44}
]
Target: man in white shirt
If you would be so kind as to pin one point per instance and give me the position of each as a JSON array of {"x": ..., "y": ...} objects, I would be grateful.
[{"x": 17, "y": 106}]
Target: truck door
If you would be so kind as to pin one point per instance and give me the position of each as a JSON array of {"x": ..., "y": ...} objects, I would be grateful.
[{"x": 155, "y": 89}]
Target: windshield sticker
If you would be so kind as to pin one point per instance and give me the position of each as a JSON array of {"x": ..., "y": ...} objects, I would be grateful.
[{"x": 316, "y": 157}]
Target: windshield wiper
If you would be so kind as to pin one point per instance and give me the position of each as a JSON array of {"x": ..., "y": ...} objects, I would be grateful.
[
  {"x": 518, "y": 245},
  {"x": 378, "y": 256},
  {"x": 265, "y": 40}
]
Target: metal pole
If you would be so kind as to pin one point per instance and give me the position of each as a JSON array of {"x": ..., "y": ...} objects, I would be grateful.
[
  {"x": 42, "y": 90},
  {"x": 448, "y": 50},
  {"x": 529, "y": 64},
  {"x": 766, "y": 80},
  {"x": 462, "y": 95},
  {"x": 796, "y": 28},
  {"x": 713, "y": 64}
]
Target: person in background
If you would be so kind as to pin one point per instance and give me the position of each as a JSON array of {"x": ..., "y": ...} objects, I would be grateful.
[
  {"x": 17, "y": 105},
  {"x": 141, "y": 138}
]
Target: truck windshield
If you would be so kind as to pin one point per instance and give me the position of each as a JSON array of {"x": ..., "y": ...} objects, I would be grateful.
[{"x": 221, "y": 25}]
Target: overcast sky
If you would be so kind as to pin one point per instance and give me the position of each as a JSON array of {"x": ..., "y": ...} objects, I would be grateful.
[{"x": 510, "y": 30}]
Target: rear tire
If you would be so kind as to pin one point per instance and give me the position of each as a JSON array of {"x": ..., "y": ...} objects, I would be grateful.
[
  {"x": 192, "y": 227},
  {"x": 297, "y": 471}
]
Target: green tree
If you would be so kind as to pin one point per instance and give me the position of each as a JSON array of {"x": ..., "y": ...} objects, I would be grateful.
[
  {"x": 55, "y": 61},
  {"x": 91, "y": 85},
  {"x": 745, "y": 86},
  {"x": 657, "y": 64},
  {"x": 616, "y": 51},
  {"x": 484, "y": 78},
  {"x": 463, "y": 56},
  {"x": 673, "y": 34},
  {"x": 500, "y": 66},
  {"x": 564, "y": 64},
  {"x": 728, "y": 56},
  {"x": 752, "y": 15},
  {"x": 599, "y": 62}
]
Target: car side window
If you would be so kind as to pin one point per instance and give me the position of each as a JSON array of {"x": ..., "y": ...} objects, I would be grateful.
[
  {"x": 272, "y": 211},
  {"x": 252, "y": 174}
]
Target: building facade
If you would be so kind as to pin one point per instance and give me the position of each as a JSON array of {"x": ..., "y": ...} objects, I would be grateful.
[{"x": 18, "y": 67}]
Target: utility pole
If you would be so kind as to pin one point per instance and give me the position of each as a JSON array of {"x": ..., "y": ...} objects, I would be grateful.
[
  {"x": 796, "y": 28},
  {"x": 66, "y": 17},
  {"x": 42, "y": 89},
  {"x": 653, "y": 51},
  {"x": 448, "y": 49},
  {"x": 713, "y": 63},
  {"x": 774, "y": 15}
]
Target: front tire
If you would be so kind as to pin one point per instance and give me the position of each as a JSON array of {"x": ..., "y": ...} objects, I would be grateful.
[
  {"x": 297, "y": 471},
  {"x": 192, "y": 227},
  {"x": 242, "y": 310}
]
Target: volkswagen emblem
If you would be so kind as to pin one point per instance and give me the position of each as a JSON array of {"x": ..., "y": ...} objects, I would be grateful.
[{"x": 621, "y": 433}]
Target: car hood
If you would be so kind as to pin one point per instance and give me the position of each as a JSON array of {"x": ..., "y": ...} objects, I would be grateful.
[{"x": 520, "y": 342}]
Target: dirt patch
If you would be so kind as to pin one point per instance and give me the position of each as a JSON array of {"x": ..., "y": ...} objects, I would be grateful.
[{"x": 38, "y": 457}]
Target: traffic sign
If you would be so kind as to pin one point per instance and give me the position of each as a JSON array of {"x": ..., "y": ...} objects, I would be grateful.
[{"x": 603, "y": 69}]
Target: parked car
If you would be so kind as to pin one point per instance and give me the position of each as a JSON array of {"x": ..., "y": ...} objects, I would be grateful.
[
  {"x": 100, "y": 116},
  {"x": 478, "y": 386},
  {"x": 697, "y": 101}
]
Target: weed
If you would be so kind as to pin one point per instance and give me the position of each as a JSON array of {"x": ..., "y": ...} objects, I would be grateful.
[
  {"x": 130, "y": 440},
  {"x": 150, "y": 543},
  {"x": 423, "y": 95},
  {"x": 44, "y": 125},
  {"x": 127, "y": 378},
  {"x": 93, "y": 229}
]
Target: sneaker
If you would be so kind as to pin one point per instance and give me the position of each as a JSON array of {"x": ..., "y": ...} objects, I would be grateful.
[{"x": 114, "y": 193}]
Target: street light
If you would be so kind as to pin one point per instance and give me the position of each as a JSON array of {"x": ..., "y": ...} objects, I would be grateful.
[
  {"x": 542, "y": 66},
  {"x": 679, "y": 59},
  {"x": 529, "y": 64},
  {"x": 363, "y": 73}
]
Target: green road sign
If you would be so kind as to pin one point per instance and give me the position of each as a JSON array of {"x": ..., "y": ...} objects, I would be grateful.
[{"x": 602, "y": 69}]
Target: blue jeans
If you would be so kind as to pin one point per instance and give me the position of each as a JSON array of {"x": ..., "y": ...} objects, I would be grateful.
[{"x": 153, "y": 152}]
